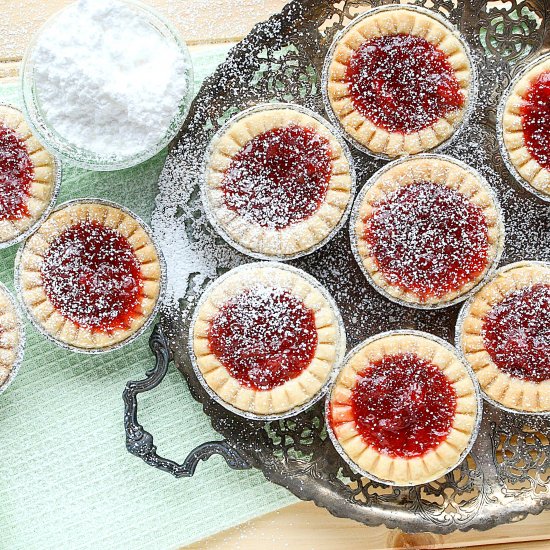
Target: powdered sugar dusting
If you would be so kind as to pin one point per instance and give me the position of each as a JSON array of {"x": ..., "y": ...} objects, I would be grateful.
[
  {"x": 264, "y": 337},
  {"x": 92, "y": 277},
  {"x": 280, "y": 177},
  {"x": 403, "y": 405},
  {"x": 195, "y": 254},
  {"x": 402, "y": 83},
  {"x": 16, "y": 174},
  {"x": 516, "y": 333},
  {"x": 428, "y": 239}
]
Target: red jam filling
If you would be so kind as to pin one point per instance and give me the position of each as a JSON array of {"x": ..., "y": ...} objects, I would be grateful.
[
  {"x": 280, "y": 177},
  {"x": 16, "y": 175},
  {"x": 403, "y": 405},
  {"x": 535, "y": 118},
  {"x": 402, "y": 83},
  {"x": 264, "y": 337},
  {"x": 92, "y": 276},
  {"x": 428, "y": 239},
  {"x": 516, "y": 333}
]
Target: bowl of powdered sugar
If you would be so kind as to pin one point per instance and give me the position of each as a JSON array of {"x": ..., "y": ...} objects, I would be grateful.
[{"x": 106, "y": 83}]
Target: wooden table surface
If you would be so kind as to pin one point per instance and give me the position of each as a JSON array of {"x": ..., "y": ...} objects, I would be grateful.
[{"x": 301, "y": 526}]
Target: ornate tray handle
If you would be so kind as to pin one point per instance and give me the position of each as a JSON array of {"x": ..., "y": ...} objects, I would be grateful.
[
  {"x": 507, "y": 475},
  {"x": 140, "y": 443}
]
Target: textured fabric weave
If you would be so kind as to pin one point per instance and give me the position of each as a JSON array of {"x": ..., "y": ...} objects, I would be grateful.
[{"x": 66, "y": 480}]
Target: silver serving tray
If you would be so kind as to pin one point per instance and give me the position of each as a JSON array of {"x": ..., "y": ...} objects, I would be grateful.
[{"x": 506, "y": 475}]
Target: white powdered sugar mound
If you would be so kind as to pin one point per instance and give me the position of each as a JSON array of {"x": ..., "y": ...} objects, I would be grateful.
[{"x": 106, "y": 79}]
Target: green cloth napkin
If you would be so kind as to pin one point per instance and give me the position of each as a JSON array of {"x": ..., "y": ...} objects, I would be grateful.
[{"x": 66, "y": 480}]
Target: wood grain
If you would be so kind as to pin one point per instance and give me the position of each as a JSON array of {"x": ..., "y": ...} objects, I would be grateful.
[
  {"x": 302, "y": 526},
  {"x": 198, "y": 21}
]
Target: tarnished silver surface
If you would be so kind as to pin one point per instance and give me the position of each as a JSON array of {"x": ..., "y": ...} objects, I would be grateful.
[{"x": 506, "y": 476}]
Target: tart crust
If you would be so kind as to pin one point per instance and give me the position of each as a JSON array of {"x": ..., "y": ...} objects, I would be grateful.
[
  {"x": 11, "y": 337},
  {"x": 511, "y": 392},
  {"x": 299, "y": 237},
  {"x": 40, "y": 308},
  {"x": 390, "y": 22},
  {"x": 512, "y": 130},
  {"x": 398, "y": 470},
  {"x": 443, "y": 172},
  {"x": 43, "y": 184},
  {"x": 293, "y": 393}
]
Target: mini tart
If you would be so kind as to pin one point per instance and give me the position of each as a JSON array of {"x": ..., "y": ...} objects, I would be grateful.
[
  {"x": 526, "y": 127},
  {"x": 11, "y": 338},
  {"x": 403, "y": 409},
  {"x": 505, "y": 336},
  {"x": 91, "y": 276},
  {"x": 27, "y": 176},
  {"x": 427, "y": 231},
  {"x": 265, "y": 340},
  {"x": 398, "y": 81},
  {"x": 278, "y": 182}
]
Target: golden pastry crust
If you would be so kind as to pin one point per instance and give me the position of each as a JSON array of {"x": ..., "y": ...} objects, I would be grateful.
[
  {"x": 293, "y": 393},
  {"x": 43, "y": 185},
  {"x": 298, "y": 237},
  {"x": 11, "y": 337},
  {"x": 511, "y": 392},
  {"x": 40, "y": 307},
  {"x": 398, "y": 470},
  {"x": 390, "y": 22},
  {"x": 442, "y": 171},
  {"x": 512, "y": 132}
]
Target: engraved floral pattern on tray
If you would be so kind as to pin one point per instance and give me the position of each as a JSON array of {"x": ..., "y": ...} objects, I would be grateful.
[{"x": 506, "y": 476}]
